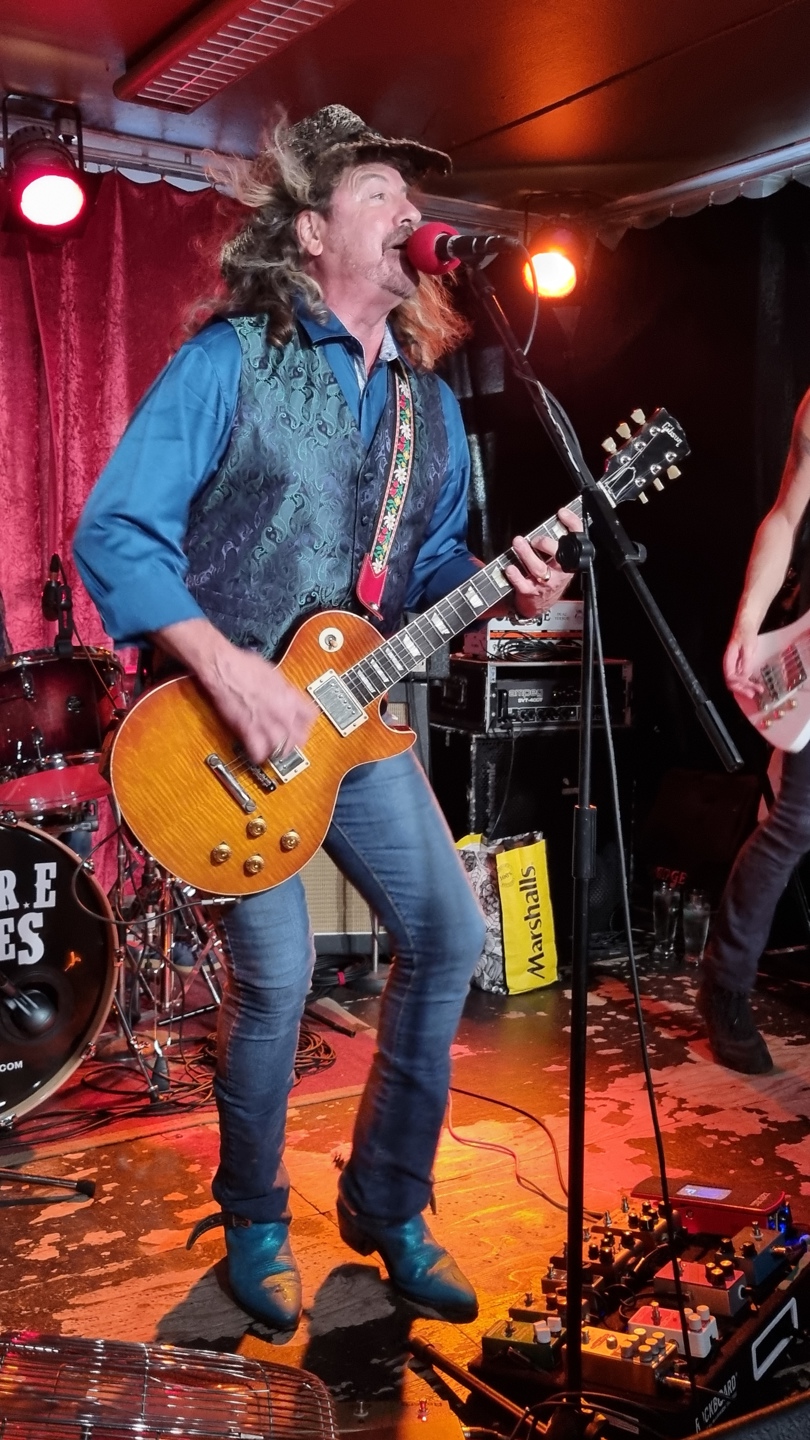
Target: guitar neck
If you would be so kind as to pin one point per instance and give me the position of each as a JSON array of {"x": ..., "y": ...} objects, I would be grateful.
[{"x": 372, "y": 676}]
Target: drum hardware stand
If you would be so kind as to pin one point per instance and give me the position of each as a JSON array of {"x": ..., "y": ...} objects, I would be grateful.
[
  {"x": 119, "y": 1003},
  {"x": 160, "y": 896},
  {"x": 164, "y": 903},
  {"x": 204, "y": 963}
]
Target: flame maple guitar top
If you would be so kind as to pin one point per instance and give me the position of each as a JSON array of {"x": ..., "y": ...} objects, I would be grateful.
[{"x": 184, "y": 816}]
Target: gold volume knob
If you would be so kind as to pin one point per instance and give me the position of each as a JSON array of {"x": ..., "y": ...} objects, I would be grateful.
[
  {"x": 253, "y": 865},
  {"x": 220, "y": 854},
  {"x": 290, "y": 839},
  {"x": 255, "y": 827}
]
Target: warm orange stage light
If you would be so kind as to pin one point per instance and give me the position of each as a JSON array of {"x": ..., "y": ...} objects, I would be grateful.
[{"x": 556, "y": 274}]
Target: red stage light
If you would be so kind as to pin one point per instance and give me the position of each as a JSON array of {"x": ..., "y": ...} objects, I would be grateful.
[
  {"x": 52, "y": 200},
  {"x": 47, "y": 192},
  {"x": 554, "y": 255}
]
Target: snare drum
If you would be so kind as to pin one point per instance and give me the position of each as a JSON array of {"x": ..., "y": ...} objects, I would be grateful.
[
  {"x": 54, "y": 713},
  {"x": 54, "y": 954}
]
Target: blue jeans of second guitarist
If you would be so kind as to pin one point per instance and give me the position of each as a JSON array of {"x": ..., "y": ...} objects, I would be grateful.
[
  {"x": 389, "y": 837},
  {"x": 759, "y": 876}
]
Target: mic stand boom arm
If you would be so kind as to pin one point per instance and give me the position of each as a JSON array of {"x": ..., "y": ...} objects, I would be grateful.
[{"x": 604, "y": 526}]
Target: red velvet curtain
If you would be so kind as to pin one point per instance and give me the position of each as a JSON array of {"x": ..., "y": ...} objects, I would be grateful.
[{"x": 84, "y": 328}]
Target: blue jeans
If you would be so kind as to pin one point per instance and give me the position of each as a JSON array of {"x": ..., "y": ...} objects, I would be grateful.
[
  {"x": 390, "y": 838},
  {"x": 759, "y": 876}
]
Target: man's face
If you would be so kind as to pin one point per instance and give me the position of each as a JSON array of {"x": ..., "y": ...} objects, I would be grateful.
[{"x": 359, "y": 242}]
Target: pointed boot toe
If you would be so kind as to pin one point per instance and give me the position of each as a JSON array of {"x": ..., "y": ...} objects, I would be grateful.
[
  {"x": 418, "y": 1266},
  {"x": 263, "y": 1274}
]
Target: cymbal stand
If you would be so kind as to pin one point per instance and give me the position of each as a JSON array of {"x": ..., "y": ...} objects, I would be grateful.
[
  {"x": 120, "y": 1003},
  {"x": 209, "y": 952}
]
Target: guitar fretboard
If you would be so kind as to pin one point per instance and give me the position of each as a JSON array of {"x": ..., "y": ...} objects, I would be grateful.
[{"x": 410, "y": 647}]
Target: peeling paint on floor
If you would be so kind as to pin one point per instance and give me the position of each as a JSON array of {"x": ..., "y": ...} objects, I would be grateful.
[{"x": 123, "y": 1271}]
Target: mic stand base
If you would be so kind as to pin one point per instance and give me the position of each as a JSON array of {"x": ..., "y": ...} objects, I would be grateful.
[{"x": 84, "y": 1188}]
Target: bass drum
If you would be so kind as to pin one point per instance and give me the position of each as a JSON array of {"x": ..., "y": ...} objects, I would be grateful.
[{"x": 57, "y": 965}]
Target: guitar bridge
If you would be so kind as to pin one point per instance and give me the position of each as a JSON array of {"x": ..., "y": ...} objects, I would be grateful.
[
  {"x": 229, "y": 782},
  {"x": 256, "y": 773}
]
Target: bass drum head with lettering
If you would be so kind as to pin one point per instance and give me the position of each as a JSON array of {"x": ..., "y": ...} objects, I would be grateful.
[{"x": 57, "y": 957}]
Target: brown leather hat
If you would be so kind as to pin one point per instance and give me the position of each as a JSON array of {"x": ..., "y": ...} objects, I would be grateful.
[{"x": 334, "y": 129}]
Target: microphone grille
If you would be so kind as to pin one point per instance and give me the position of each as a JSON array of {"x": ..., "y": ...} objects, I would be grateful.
[{"x": 421, "y": 248}]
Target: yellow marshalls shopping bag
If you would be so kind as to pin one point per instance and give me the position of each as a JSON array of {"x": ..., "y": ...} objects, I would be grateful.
[{"x": 510, "y": 879}]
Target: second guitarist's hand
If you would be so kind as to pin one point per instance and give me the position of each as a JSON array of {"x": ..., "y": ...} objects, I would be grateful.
[
  {"x": 738, "y": 663},
  {"x": 267, "y": 714}
]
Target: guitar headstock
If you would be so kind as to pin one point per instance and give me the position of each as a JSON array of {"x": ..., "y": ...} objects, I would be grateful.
[{"x": 645, "y": 459}]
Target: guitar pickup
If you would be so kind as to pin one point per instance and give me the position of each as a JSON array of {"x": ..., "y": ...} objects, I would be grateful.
[
  {"x": 337, "y": 702},
  {"x": 288, "y": 766}
]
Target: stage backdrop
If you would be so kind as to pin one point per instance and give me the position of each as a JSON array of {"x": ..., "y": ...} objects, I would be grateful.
[{"x": 85, "y": 327}]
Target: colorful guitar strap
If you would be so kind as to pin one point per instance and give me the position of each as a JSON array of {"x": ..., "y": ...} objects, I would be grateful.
[{"x": 374, "y": 569}]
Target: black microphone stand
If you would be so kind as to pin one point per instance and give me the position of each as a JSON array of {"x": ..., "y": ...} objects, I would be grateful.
[
  {"x": 577, "y": 553},
  {"x": 57, "y": 604}
]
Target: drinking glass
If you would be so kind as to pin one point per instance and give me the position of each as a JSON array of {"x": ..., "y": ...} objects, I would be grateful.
[
  {"x": 666, "y": 904},
  {"x": 696, "y": 916}
]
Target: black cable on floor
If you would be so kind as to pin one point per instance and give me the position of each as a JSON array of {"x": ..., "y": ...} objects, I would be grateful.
[{"x": 489, "y": 1145}]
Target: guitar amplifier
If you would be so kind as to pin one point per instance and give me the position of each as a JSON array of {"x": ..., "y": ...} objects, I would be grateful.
[{"x": 500, "y": 697}]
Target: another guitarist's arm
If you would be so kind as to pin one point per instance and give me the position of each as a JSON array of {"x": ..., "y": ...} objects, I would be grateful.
[{"x": 770, "y": 557}]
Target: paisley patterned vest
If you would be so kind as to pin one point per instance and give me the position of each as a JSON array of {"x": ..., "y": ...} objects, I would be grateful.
[{"x": 281, "y": 529}]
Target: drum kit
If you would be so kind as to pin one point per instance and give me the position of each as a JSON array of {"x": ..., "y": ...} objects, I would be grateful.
[{"x": 73, "y": 959}]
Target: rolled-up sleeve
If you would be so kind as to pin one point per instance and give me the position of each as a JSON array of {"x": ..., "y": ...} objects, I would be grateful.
[
  {"x": 129, "y": 541},
  {"x": 444, "y": 560}
]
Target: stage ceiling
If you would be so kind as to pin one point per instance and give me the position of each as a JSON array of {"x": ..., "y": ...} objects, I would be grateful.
[{"x": 585, "y": 98}]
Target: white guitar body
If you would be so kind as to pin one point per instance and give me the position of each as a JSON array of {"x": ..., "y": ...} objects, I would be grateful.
[{"x": 782, "y": 665}]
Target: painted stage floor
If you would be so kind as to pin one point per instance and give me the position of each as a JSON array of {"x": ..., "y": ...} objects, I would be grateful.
[{"x": 117, "y": 1267}]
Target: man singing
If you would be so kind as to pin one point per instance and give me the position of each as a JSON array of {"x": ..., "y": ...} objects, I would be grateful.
[
  {"x": 765, "y": 863},
  {"x": 245, "y": 495}
]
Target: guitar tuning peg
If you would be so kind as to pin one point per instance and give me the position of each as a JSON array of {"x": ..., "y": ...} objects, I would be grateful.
[
  {"x": 658, "y": 484},
  {"x": 638, "y": 416},
  {"x": 644, "y": 498},
  {"x": 610, "y": 445},
  {"x": 673, "y": 472},
  {"x": 623, "y": 430}
]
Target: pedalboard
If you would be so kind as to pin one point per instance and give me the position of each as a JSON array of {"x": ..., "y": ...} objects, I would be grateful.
[{"x": 745, "y": 1292}]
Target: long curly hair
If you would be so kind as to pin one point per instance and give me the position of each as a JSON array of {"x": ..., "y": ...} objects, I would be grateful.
[{"x": 263, "y": 266}]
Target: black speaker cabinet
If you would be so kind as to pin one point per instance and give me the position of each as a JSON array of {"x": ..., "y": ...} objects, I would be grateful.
[
  {"x": 500, "y": 787},
  {"x": 697, "y": 823}
]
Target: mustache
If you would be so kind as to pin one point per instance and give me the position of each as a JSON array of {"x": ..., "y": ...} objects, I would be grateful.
[{"x": 399, "y": 237}]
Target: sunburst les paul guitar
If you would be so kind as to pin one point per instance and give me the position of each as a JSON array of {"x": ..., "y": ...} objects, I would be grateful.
[{"x": 224, "y": 825}]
